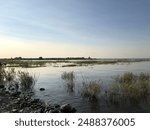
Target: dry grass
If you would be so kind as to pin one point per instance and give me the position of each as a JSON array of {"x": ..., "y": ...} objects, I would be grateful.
[
  {"x": 130, "y": 89},
  {"x": 69, "y": 78},
  {"x": 26, "y": 81},
  {"x": 91, "y": 90},
  {"x": 2, "y": 75},
  {"x": 17, "y": 80}
]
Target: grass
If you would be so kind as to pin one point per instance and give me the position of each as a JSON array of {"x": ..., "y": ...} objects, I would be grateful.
[
  {"x": 27, "y": 81},
  {"x": 38, "y": 62},
  {"x": 70, "y": 65},
  {"x": 69, "y": 78},
  {"x": 130, "y": 89},
  {"x": 2, "y": 75},
  {"x": 7, "y": 76},
  {"x": 24, "y": 63},
  {"x": 17, "y": 80},
  {"x": 91, "y": 90}
]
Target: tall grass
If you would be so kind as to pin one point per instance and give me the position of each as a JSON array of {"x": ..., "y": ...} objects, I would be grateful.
[
  {"x": 130, "y": 89},
  {"x": 7, "y": 76},
  {"x": 2, "y": 75},
  {"x": 91, "y": 90},
  {"x": 27, "y": 81},
  {"x": 17, "y": 80},
  {"x": 24, "y": 63},
  {"x": 69, "y": 78}
]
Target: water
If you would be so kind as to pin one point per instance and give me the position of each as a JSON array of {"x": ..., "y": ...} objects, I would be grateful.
[{"x": 56, "y": 91}]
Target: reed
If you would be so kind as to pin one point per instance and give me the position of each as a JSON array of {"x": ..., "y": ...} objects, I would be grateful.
[
  {"x": 131, "y": 89},
  {"x": 69, "y": 78}
]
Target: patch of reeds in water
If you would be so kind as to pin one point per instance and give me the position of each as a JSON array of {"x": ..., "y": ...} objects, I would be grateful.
[
  {"x": 91, "y": 90},
  {"x": 27, "y": 81},
  {"x": 17, "y": 80},
  {"x": 69, "y": 78},
  {"x": 130, "y": 89}
]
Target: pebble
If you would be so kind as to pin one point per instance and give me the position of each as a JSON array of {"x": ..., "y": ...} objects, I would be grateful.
[{"x": 42, "y": 89}]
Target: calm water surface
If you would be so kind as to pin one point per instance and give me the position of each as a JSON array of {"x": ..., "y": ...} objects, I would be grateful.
[{"x": 56, "y": 92}]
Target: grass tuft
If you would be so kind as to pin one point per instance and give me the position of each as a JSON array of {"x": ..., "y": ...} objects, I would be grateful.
[
  {"x": 91, "y": 90},
  {"x": 26, "y": 81},
  {"x": 69, "y": 78},
  {"x": 130, "y": 89}
]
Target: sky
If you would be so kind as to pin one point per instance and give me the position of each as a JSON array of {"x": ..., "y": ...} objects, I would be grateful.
[{"x": 75, "y": 28}]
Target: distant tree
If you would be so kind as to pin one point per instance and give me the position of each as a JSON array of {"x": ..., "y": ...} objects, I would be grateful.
[
  {"x": 18, "y": 58},
  {"x": 89, "y": 57},
  {"x": 40, "y": 58}
]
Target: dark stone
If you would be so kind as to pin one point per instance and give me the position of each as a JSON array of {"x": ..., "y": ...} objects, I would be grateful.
[
  {"x": 67, "y": 108},
  {"x": 52, "y": 108},
  {"x": 16, "y": 94},
  {"x": 73, "y": 110},
  {"x": 2, "y": 86},
  {"x": 54, "y": 111},
  {"x": 42, "y": 89},
  {"x": 35, "y": 101},
  {"x": 7, "y": 92},
  {"x": 56, "y": 106}
]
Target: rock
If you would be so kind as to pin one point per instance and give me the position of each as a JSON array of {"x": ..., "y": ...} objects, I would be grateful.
[
  {"x": 7, "y": 92},
  {"x": 52, "y": 108},
  {"x": 54, "y": 111},
  {"x": 21, "y": 111},
  {"x": 56, "y": 106},
  {"x": 16, "y": 94},
  {"x": 2, "y": 86},
  {"x": 35, "y": 101},
  {"x": 14, "y": 110},
  {"x": 3, "y": 91},
  {"x": 67, "y": 108},
  {"x": 42, "y": 89},
  {"x": 73, "y": 110}
]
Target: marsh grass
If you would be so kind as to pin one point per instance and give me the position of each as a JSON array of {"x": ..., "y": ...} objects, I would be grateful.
[
  {"x": 69, "y": 78},
  {"x": 2, "y": 75},
  {"x": 25, "y": 63},
  {"x": 7, "y": 76},
  {"x": 130, "y": 89},
  {"x": 27, "y": 81},
  {"x": 91, "y": 90},
  {"x": 70, "y": 65},
  {"x": 17, "y": 80}
]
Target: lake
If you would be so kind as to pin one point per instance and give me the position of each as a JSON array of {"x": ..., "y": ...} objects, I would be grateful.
[{"x": 56, "y": 91}]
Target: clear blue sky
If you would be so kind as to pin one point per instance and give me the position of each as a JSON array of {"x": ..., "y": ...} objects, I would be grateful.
[{"x": 60, "y": 28}]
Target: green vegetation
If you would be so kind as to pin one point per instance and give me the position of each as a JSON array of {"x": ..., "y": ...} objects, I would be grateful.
[
  {"x": 69, "y": 78},
  {"x": 91, "y": 90},
  {"x": 130, "y": 89}
]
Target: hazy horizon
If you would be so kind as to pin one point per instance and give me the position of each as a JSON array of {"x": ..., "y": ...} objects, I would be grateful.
[{"x": 75, "y": 28}]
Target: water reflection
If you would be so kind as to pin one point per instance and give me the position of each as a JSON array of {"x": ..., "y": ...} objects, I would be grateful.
[{"x": 50, "y": 79}]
